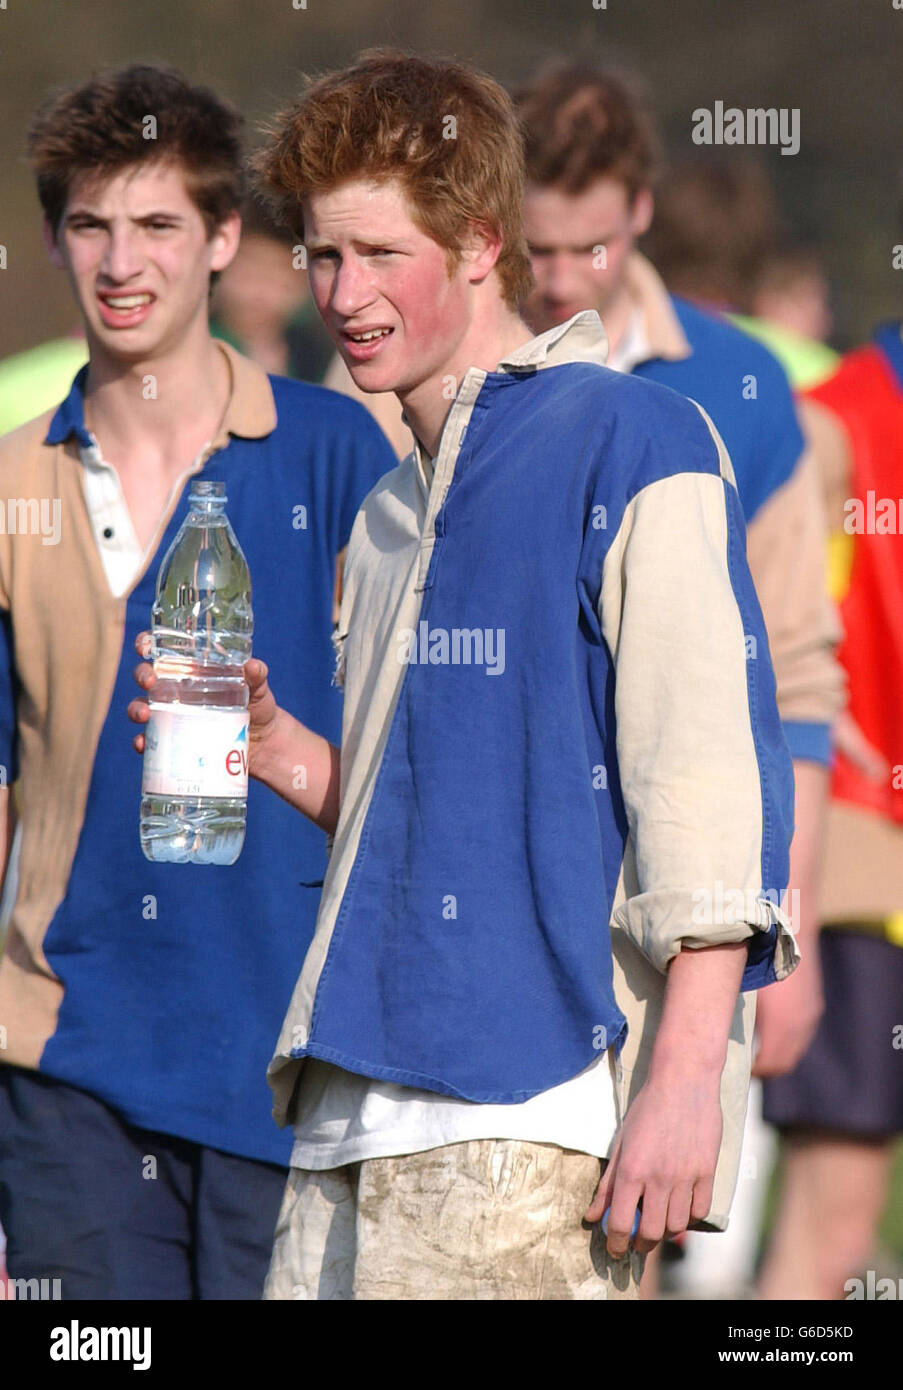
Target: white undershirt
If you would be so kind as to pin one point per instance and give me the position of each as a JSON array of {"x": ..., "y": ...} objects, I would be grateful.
[
  {"x": 342, "y": 1117},
  {"x": 120, "y": 550},
  {"x": 633, "y": 347}
]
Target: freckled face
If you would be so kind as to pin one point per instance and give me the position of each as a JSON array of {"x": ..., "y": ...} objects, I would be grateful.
[{"x": 382, "y": 287}]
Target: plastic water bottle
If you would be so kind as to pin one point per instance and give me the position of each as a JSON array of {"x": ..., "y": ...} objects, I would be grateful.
[{"x": 194, "y": 785}]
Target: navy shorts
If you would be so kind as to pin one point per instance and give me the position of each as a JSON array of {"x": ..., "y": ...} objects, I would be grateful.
[
  {"x": 850, "y": 1081},
  {"x": 116, "y": 1212}
]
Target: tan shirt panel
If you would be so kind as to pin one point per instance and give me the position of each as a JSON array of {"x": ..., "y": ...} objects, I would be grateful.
[
  {"x": 786, "y": 543},
  {"x": 68, "y": 639},
  {"x": 830, "y": 445}
]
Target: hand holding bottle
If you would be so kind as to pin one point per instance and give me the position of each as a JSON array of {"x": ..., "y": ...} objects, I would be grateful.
[
  {"x": 284, "y": 754},
  {"x": 262, "y": 707}
]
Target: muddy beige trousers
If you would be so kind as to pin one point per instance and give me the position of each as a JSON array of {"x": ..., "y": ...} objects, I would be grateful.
[{"x": 485, "y": 1219}]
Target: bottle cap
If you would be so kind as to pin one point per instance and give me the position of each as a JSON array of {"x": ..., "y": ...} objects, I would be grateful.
[{"x": 207, "y": 489}]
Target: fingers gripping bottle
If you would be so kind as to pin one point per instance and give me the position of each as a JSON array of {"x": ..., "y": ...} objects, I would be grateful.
[{"x": 194, "y": 786}]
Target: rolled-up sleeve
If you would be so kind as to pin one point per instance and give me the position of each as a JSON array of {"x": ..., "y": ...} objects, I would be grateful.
[{"x": 705, "y": 771}]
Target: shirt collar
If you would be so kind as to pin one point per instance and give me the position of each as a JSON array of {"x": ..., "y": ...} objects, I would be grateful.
[
  {"x": 580, "y": 339},
  {"x": 250, "y": 413},
  {"x": 634, "y": 345},
  {"x": 70, "y": 417}
]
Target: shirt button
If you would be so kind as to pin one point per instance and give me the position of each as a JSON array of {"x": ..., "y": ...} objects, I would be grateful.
[{"x": 108, "y": 533}]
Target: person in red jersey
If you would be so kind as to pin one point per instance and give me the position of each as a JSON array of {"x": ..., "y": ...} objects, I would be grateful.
[{"x": 842, "y": 1106}]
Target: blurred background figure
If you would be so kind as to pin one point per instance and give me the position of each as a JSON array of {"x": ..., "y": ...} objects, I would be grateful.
[
  {"x": 720, "y": 239},
  {"x": 262, "y": 305},
  {"x": 716, "y": 217},
  {"x": 791, "y": 290},
  {"x": 841, "y": 1108}
]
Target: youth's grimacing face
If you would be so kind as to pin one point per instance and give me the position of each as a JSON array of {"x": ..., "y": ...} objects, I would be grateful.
[
  {"x": 138, "y": 257},
  {"x": 579, "y": 245},
  {"x": 372, "y": 271}
]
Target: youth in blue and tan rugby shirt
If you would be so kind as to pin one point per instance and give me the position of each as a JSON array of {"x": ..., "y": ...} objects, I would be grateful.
[
  {"x": 159, "y": 988},
  {"x": 559, "y": 713}
]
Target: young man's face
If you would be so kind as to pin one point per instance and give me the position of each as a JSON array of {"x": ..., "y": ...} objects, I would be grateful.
[
  {"x": 137, "y": 253},
  {"x": 373, "y": 271},
  {"x": 579, "y": 245}
]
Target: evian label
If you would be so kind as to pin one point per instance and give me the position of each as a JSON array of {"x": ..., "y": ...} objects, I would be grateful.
[{"x": 195, "y": 752}]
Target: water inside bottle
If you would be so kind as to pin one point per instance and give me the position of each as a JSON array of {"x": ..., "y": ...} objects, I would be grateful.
[{"x": 201, "y": 625}]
